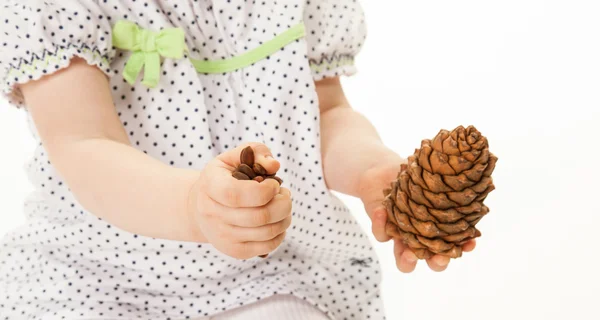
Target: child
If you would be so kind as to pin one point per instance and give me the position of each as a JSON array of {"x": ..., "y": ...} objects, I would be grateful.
[{"x": 141, "y": 110}]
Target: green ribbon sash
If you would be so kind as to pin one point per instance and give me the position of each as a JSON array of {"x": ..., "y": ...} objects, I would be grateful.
[
  {"x": 266, "y": 49},
  {"x": 148, "y": 47}
]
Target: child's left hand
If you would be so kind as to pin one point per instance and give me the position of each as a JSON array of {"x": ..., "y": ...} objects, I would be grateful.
[{"x": 372, "y": 184}]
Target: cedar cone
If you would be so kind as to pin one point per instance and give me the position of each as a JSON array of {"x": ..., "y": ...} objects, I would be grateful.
[{"x": 437, "y": 198}]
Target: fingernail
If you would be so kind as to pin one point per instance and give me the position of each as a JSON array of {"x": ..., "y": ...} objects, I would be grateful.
[
  {"x": 411, "y": 257},
  {"x": 381, "y": 213},
  {"x": 279, "y": 196},
  {"x": 442, "y": 262},
  {"x": 269, "y": 156}
]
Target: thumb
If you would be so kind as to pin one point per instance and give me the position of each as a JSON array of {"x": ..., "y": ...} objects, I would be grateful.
[
  {"x": 378, "y": 214},
  {"x": 263, "y": 156}
]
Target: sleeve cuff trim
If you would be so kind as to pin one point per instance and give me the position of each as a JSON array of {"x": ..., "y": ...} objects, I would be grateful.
[
  {"x": 335, "y": 65},
  {"x": 47, "y": 63}
]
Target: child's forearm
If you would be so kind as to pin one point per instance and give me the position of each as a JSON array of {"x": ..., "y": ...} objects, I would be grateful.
[
  {"x": 350, "y": 145},
  {"x": 129, "y": 189},
  {"x": 85, "y": 140}
]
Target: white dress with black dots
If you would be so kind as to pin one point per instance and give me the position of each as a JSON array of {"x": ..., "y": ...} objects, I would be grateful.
[{"x": 65, "y": 263}]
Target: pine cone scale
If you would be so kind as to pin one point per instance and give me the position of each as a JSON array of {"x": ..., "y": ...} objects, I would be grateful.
[
  {"x": 463, "y": 198},
  {"x": 452, "y": 228},
  {"x": 458, "y": 237},
  {"x": 404, "y": 204},
  {"x": 423, "y": 156},
  {"x": 491, "y": 166},
  {"x": 435, "y": 245},
  {"x": 446, "y": 216},
  {"x": 450, "y": 146},
  {"x": 482, "y": 185},
  {"x": 435, "y": 183},
  {"x": 427, "y": 228},
  {"x": 416, "y": 193},
  {"x": 439, "y": 200},
  {"x": 474, "y": 174},
  {"x": 472, "y": 208},
  {"x": 457, "y": 183},
  {"x": 420, "y": 212},
  {"x": 484, "y": 157},
  {"x": 455, "y": 252},
  {"x": 460, "y": 164},
  {"x": 404, "y": 222},
  {"x": 416, "y": 176},
  {"x": 439, "y": 163}
]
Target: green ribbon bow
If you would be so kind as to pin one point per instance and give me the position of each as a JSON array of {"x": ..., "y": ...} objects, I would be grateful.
[{"x": 147, "y": 47}]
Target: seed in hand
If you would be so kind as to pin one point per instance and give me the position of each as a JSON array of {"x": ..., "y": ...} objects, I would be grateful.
[
  {"x": 250, "y": 170},
  {"x": 245, "y": 169},
  {"x": 259, "y": 169},
  {"x": 247, "y": 156},
  {"x": 240, "y": 176}
]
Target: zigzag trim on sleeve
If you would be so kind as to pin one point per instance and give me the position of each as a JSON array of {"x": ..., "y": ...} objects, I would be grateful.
[
  {"x": 332, "y": 66},
  {"x": 48, "y": 62}
]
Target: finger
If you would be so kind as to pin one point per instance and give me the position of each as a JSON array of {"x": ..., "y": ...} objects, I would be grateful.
[
  {"x": 278, "y": 209},
  {"x": 233, "y": 193},
  {"x": 399, "y": 248},
  {"x": 378, "y": 221},
  {"x": 469, "y": 246},
  {"x": 262, "y": 233},
  {"x": 252, "y": 249},
  {"x": 263, "y": 156},
  {"x": 438, "y": 263},
  {"x": 406, "y": 260}
]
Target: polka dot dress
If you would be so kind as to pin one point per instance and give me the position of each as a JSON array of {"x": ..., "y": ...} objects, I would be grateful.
[{"x": 65, "y": 263}]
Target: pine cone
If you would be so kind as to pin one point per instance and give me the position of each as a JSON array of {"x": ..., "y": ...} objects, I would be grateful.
[{"x": 437, "y": 198}]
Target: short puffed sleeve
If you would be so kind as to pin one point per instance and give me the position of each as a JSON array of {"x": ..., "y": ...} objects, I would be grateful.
[
  {"x": 39, "y": 37},
  {"x": 335, "y": 33}
]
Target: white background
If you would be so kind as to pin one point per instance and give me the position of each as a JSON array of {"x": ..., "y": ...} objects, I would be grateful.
[{"x": 526, "y": 73}]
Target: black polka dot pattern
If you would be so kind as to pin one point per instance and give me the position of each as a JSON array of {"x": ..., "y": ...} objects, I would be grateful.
[{"x": 65, "y": 263}]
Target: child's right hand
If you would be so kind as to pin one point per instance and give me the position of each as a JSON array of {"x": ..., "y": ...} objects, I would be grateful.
[{"x": 242, "y": 219}]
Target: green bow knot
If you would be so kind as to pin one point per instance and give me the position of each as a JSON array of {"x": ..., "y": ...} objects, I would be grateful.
[{"x": 147, "y": 47}]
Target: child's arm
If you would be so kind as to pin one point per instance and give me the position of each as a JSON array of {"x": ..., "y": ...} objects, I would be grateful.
[
  {"x": 79, "y": 127},
  {"x": 353, "y": 153},
  {"x": 350, "y": 144},
  {"x": 76, "y": 119}
]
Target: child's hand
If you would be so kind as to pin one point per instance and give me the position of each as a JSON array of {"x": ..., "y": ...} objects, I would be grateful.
[
  {"x": 373, "y": 182},
  {"x": 242, "y": 219}
]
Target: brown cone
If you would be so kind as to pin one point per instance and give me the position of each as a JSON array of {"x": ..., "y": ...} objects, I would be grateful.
[{"x": 437, "y": 198}]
